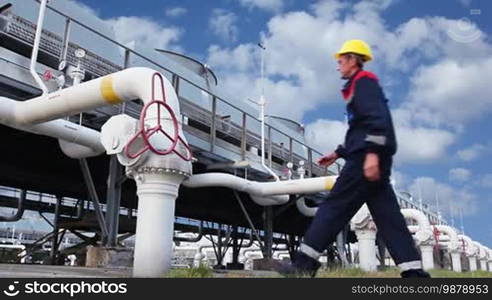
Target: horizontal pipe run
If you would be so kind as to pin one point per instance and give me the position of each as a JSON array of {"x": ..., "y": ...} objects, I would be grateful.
[{"x": 297, "y": 186}]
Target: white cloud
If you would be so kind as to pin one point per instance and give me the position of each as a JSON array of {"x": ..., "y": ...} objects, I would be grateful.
[
  {"x": 449, "y": 200},
  {"x": 175, "y": 12},
  {"x": 223, "y": 24},
  {"x": 400, "y": 179},
  {"x": 325, "y": 135},
  {"x": 268, "y": 5},
  {"x": 421, "y": 144},
  {"x": 459, "y": 174},
  {"x": 301, "y": 70},
  {"x": 465, "y": 98},
  {"x": 471, "y": 153},
  {"x": 145, "y": 33}
]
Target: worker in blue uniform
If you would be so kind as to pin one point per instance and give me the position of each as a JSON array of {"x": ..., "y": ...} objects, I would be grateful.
[{"x": 369, "y": 146}]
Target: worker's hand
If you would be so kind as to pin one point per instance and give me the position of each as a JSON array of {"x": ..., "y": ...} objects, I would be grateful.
[
  {"x": 371, "y": 167},
  {"x": 328, "y": 159}
]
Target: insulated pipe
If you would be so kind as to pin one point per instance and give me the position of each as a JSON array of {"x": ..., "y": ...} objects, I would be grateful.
[
  {"x": 490, "y": 260},
  {"x": 76, "y": 141},
  {"x": 423, "y": 235},
  {"x": 304, "y": 209},
  {"x": 243, "y": 252},
  {"x": 453, "y": 246},
  {"x": 482, "y": 256},
  {"x": 157, "y": 195},
  {"x": 367, "y": 249},
  {"x": 35, "y": 49},
  {"x": 199, "y": 256},
  {"x": 471, "y": 251},
  {"x": 20, "y": 209},
  {"x": 122, "y": 86},
  {"x": 297, "y": 186},
  {"x": 365, "y": 230}
]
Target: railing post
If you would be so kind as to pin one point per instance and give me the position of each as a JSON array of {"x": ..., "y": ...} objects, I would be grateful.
[
  {"x": 213, "y": 124},
  {"x": 243, "y": 137},
  {"x": 291, "y": 153},
  {"x": 126, "y": 64},
  {"x": 310, "y": 162},
  {"x": 175, "y": 83},
  {"x": 269, "y": 146},
  {"x": 66, "y": 39}
]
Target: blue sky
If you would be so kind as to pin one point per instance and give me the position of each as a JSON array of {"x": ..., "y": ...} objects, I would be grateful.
[{"x": 433, "y": 59}]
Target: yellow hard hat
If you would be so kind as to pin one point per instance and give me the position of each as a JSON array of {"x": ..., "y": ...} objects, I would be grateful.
[{"x": 355, "y": 46}]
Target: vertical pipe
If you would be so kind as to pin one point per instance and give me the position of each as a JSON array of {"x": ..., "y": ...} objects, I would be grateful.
[
  {"x": 427, "y": 252},
  {"x": 291, "y": 153},
  {"x": 35, "y": 49},
  {"x": 269, "y": 146},
  {"x": 66, "y": 40},
  {"x": 126, "y": 64},
  {"x": 243, "y": 137},
  {"x": 157, "y": 195},
  {"x": 367, "y": 249},
  {"x": 213, "y": 125},
  {"x": 473, "y": 263},
  {"x": 456, "y": 261}
]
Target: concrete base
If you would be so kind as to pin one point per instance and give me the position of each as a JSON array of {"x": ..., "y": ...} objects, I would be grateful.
[
  {"x": 109, "y": 257},
  {"x": 265, "y": 264}
]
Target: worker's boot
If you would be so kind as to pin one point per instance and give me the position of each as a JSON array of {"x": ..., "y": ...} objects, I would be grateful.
[
  {"x": 301, "y": 266},
  {"x": 415, "y": 273}
]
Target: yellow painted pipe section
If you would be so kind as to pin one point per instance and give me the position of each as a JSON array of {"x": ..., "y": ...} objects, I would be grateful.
[
  {"x": 329, "y": 183},
  {"x": 107, "y": 90}
]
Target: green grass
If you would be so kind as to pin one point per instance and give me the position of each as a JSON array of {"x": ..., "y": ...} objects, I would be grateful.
[
  {"x": 200, "y": 272},
  {"x": 206, "y": 272}
]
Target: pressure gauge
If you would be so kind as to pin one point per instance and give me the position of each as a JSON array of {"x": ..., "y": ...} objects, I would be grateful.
[
  {"x": 62, "y": 65},
  {"x": 80, "y": 53}
]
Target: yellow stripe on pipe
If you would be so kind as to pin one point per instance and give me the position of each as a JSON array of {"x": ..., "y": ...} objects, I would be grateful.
[
  {"x": 107, "y": 90},
  {"x": 329, "y": 183}
]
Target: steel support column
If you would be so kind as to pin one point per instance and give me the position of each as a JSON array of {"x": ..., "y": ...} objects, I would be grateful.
[
  {"x": 113, "y": 201},
  {"x": 268, "y": 229}
]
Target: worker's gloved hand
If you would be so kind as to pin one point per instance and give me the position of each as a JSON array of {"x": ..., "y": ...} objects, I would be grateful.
[
  {"x": 371, "y": 167},
  {"x": 328, "y": 159}
]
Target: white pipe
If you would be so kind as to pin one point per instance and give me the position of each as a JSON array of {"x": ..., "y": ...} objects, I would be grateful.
[
  {"x": 471, "y": 251},
  {"x": 453, "y": 246},
  {"x": 490, "y": 260},
  {"x": 262, "y": 116},
  {"x": 129, "y": 84},
  {"x": 297, "y": 186},
  {"x": 278, "y": 253},
  {"x": 35, "y": 49},
  {"x": 243, "y": 252},
  {"x": 304, "y": 209},
  {"x": 367, "y": 249},
  {"x": 157, "y": 195},
  {"x": 66, "y": 131},
  {"x": 199, "y": 255},
  {"x": 427, "y": 252},
  {"x": 126, "y": 85},
  {"x": 418, "y": 216},
  {"x": 482, "y": 256}
]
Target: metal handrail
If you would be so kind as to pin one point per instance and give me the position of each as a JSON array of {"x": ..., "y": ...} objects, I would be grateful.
[{"x": 129, "y": 51}]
